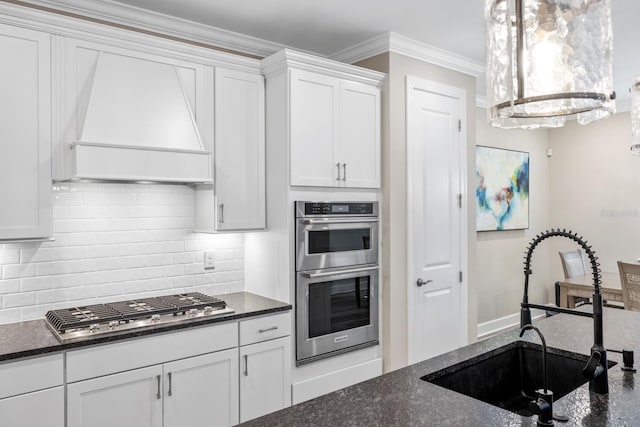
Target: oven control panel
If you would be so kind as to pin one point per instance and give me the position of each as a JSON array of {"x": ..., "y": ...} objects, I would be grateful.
[{"x": 337, "y": 208}]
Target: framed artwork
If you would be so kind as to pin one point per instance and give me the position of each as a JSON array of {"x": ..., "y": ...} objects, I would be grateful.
[{"x": 502, "y": 189}]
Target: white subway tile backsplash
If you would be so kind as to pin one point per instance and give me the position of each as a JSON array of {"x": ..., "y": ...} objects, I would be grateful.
[
  {"x": 187, "y": 257},
  {"x": 22, "y": 299},
  {"x": 13, "y": 271},
  {"x": 29, "y": 284},
  {"x": 55, "y": 295},
  {"x": 10, "y": 256},
  {"x": 115, "y": 241},
  {"x": 10, "y": 315},
  {"x": 9, "y": 286}
]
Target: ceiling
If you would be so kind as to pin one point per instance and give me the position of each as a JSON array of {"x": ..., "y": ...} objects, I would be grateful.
[{"x": 329, "y": 26}]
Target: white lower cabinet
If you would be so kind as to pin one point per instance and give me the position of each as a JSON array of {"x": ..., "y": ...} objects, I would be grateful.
[
  {"x": 32, "y": 392},
  {"x": 265, "y": 378},
  {"x": 174, "y": 394},
  {"x": 219, "y": 375},
  {"x": 265, "y": 365},
  {"x": 40, "y": 408},
  {"x": 127, "y": 399},
  {"x": 202, "y": 390}
]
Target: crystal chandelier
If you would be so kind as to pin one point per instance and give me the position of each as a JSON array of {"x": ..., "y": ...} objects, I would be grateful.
[
  {"x": 548, "y": 60},
  {"x": 635, "y": 116}
]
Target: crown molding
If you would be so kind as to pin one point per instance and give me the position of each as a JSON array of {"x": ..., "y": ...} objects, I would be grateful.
[
  {"x": 287, "y": 58},
  {"x": 141, "y": 19},
  {"x": 396, "y": 43}
]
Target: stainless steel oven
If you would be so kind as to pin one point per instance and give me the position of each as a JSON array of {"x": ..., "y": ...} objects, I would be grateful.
[
  {"x": 336, "y": 278},
  {"x": 336, "y": 311},
  {"x": 336, "y": 234}
]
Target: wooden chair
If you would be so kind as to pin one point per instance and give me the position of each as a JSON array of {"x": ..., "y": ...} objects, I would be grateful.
[
  {"x": 572, "y": 265},
  {"x": 630, "y": 281}
]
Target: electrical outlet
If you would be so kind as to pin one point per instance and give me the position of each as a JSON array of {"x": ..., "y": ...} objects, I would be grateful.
[{"x": 209, "y": 260}]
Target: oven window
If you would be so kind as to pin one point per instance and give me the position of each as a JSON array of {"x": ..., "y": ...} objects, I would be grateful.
[
  {"x": 338, "y": 305},
  {"x": 325, "y": 241}
]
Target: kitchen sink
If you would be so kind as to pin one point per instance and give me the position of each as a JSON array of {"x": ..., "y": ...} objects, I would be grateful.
[{"x": 508, "y": 376}]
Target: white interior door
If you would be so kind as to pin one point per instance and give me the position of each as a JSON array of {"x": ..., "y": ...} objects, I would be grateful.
[{"x": 437, "y": 312}]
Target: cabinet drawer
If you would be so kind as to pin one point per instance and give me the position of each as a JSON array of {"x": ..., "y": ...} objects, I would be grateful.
[
  {"x": 108, "y": 359},
  {"x": 30, "y": 375},
  {"x": 265, "y": 328}
]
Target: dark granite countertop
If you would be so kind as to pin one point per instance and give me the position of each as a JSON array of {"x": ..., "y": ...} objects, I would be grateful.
[
  {"x": 32, "y": 338},
  {"x": 401, "y": 398}
]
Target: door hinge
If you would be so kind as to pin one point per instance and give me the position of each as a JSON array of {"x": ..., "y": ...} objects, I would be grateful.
[
  {"x": 459, "y": 125},
  {"x": 460, "y": 200},
  {"x": 460, "y": 276}
]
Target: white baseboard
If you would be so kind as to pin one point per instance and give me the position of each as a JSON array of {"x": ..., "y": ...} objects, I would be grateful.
[
  {"x": 495, "y": 326},
  {"x": 323, "y": 384}
]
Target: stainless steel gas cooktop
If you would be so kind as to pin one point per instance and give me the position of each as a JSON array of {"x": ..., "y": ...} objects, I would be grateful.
[{"x": 91, "y": 320}]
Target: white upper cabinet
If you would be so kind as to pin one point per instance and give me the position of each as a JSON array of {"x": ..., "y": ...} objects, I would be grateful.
[
  {"x": 25, "y": 134},
  {"x": 358, "y": 148},
  {"x": 236, "y": 201},
  {"x": 314, "y": 100},
  {"x": 329, "y": 113},
  {"x": 132, "y": 115}
]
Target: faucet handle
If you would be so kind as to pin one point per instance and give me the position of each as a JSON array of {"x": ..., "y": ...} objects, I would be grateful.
[
  {"x": 543, "y": 407},
  {"x": 593, "y": 368}
]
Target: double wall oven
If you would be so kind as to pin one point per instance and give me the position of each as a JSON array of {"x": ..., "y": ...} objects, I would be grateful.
[{"x": 336, "y": 278}]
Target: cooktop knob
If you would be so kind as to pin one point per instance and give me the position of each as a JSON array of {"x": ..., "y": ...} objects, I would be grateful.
[
  {"x": 155, "y": 318},
  {"x": 113, "y": 324},
  {"x": 193, "y": 312},
  {"x": 94, "y": 327},
  {"x": 208, "y": 310}
]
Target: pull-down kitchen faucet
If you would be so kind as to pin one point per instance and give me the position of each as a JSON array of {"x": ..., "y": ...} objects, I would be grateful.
[{"x": 596, "y": 367}]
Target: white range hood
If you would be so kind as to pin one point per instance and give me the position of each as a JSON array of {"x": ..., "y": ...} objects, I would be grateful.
[{"x": 135, "y": 119}]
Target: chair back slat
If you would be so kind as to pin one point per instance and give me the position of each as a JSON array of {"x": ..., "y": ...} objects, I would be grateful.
[
  {"x": 630, "y": 282},
  {"x": 572, "y": 263}
]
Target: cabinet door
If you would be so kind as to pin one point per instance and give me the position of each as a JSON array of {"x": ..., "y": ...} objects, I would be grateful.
[
  {"x": 313, "y": 115},
  {"x": 265, "y": 384},
  {"x": 358, "y": 150},
  {"x": 128, "y": 399},
  {"x": 202, "y": 390},
  {"x": 25, "y": 134},
  {"x": 239, "y": 150},
  {"x": 41, "y": 408}
]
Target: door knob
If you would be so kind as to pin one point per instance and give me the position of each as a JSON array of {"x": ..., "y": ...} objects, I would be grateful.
[{"x": 421, "y": 282}]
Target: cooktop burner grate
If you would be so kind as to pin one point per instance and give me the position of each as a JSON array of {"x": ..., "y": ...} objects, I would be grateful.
[{"x": 125, "y": 311}]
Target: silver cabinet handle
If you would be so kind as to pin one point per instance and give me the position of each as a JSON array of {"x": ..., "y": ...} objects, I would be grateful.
[
  {"x": 221, "y": 212},
  {"x": 169, "y": 393},
  {"x": 273, "y": 328},
  {"x": 158, "y": 395},
  {"x": 246, "y": 365},
  {"x": 421, "y": 282},
  {"x": 344, "y": 171},
  {"x": 338, "y": 167}
]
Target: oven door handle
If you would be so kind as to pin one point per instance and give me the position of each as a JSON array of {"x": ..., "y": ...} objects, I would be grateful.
[
  {"x": 339, "y": 221},
  {"x": 335, "y": 273}
]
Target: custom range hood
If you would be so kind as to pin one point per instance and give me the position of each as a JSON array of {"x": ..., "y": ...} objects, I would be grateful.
[{"x": 134, "y": 119}]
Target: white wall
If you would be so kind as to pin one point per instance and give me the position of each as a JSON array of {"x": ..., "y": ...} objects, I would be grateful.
[
  {"x": 115, "y": 241},
  {"x": 594, "y": 188},
  {"x": 499, "y": 275}
]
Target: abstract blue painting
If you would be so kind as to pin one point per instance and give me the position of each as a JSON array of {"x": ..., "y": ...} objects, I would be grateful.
[{"x": 502, "y": 189}]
